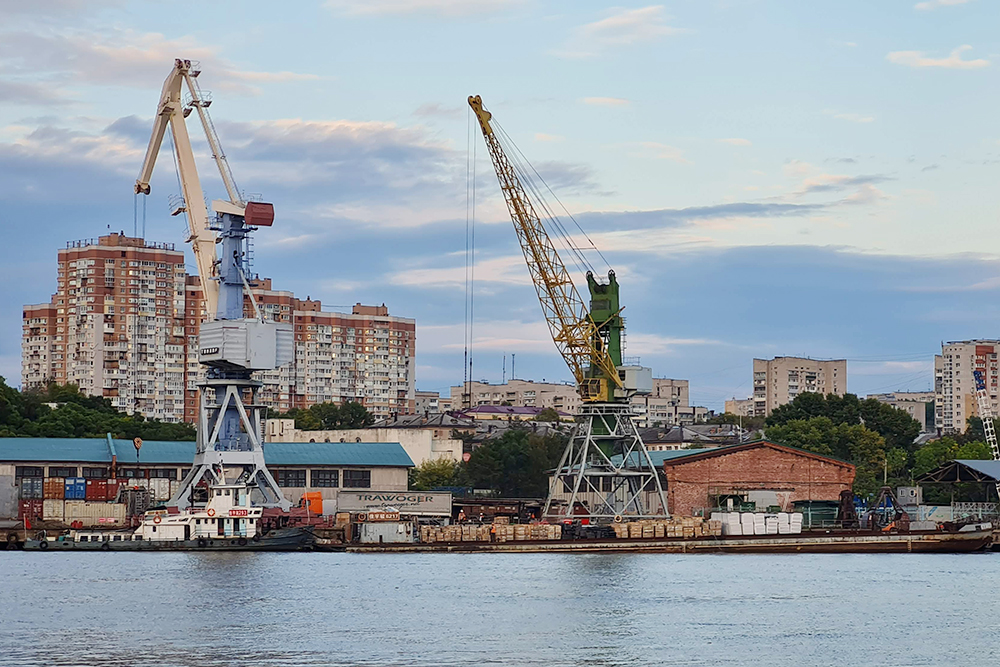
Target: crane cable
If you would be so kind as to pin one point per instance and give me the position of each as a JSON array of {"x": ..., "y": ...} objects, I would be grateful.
[
  {"x": 562, "y": 231},
  {"x": 470, "y": 257}
]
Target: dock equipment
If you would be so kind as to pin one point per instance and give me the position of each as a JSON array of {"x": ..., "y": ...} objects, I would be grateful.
[
  {"x": 987, "y": 415},
  {"x": 605, "y": 464},
  {"x": 230, "y": 419}
]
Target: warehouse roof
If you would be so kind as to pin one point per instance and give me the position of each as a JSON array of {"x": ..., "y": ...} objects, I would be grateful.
[
  {"x": 682, "y": 456},
  {"x": 98, "y": 450},
  {"x": 964, "y": 470}
]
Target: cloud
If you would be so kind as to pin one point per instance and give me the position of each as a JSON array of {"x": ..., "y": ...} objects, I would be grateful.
[
  {"x": 952, "y": 61},
  {"x": 541, "y": 136},
  {"x": 448, "y": 8},
  {"x": 606, "y": 101},
  {"x": 122, "y": 57},
  {"x": 30, "y": 93},
  {"x": 651, "y": 343},
  {"x": 660, "y": 151},
  {"x": 491, "y": 335},
  {"x": 508, "y": 270},
  {"x": 436, "y": 110},
  {"x": 625, "y": 27},
  {"x": 934, "y": 4},
  {"x": 838, "y": 182},
  {"x": 735, "y": 142},
  {"x": 853, "y": 117}
]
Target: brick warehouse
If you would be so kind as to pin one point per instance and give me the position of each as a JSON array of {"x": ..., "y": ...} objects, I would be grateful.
[{"x": 763, "y": 471}]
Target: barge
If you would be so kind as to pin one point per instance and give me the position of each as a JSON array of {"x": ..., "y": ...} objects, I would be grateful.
[{"x": 969, "y": 539}]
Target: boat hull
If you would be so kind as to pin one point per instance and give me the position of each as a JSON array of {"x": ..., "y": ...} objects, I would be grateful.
[
  {"x": 285, "y": 539},
  {"x": 927, "y": 542}
]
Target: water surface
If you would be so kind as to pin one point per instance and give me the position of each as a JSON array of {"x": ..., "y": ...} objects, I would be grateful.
[{"x": 210, "y": 609}]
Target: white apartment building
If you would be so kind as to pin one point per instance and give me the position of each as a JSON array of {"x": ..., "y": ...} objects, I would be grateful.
[
  {"x": 778, "y": 381},
  {"x": 667, "y": 405},
  {"x": 955, "y": 385}
]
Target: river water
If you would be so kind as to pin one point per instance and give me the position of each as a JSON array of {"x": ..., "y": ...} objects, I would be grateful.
[{"x": 203, "y": 609}]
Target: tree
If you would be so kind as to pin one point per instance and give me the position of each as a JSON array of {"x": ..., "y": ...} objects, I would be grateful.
[
  {"x": 432, "y": 474},
  {"x": 748, "y": 423},
  {"x": 62, "y": 411},
  {"x": 516, "y": 465},
  {"x": 547, "y": 415},
  {"x": 330, "y": 416}
]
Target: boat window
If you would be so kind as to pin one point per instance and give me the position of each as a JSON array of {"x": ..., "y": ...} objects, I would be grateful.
[
  {"x": 118, "y": 538},
  {"x": 197, "y": 522},
  {"x": 154, "y": 529},
  {"x": 83, "y": 538},
  {"x": 218, "y": 492},
  {"x": 138, "y": 537},
  {"x": 227, "y": 492}
]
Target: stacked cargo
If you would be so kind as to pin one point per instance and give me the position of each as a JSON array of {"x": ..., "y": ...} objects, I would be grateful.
[
  {"x": 31, "y": 510},
  {"x": 688, "y": 527},
  {"x": 31, "y": 488},
  {"x": 75, "y": 488},
  {"x": 52, "y": 510},
  {"x": 97, "y": 489},
  {"x": 759, "y": 523},
  {"x": 491, "y": 533},
  {"x": 54, "y": 488}
]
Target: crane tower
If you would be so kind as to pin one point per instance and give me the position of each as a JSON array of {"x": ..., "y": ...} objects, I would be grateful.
[
  {"x": 233, "y": 347},
  {"x": 606, "y": 469}
]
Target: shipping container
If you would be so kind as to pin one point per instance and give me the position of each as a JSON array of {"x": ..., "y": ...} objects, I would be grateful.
[
  {"x": 30, "y": 488},
  {"x": 95, "y": 514},
  {"x": 76, "y": 488},
  {"x": 97, "y": 489},
  {"x": 112, "y": 493},
  {"x": 54, "y": 488},
  {"x": 386, "y": 532},
  {"x": 175, "y": 486},
  {"x": 52, "y": 510},
  {"x": 26, "y": 509}
]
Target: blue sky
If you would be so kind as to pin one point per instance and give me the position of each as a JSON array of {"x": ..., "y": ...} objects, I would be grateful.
[{"x": 767, "y": 178}]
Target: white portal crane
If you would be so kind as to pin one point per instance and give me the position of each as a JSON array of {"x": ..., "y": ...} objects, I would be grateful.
[
  {"x": 987, "y": 415},
  {"x": 230, "y": 424}
]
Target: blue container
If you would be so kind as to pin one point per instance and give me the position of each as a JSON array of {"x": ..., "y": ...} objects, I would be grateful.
[{"x": 76, "y": 488}]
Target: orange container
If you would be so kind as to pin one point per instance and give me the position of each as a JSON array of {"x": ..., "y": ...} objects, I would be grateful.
[{"x": 314, "y": 501}]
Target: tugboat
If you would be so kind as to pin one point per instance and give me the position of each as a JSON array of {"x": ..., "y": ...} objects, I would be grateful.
[{"x": 228, "y": 522}]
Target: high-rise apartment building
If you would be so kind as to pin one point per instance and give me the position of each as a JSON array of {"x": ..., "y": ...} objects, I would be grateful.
[
  {"x": 955, "y": 385},
  {"x": 778, "y": 381},
  {"x": 124, "y": 324}
]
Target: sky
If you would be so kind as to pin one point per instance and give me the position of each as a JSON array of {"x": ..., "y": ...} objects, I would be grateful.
[{"x": 766, "y": 178}]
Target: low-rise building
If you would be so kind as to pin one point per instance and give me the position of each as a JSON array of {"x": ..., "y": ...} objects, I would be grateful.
[
  {"x": 297, "y": 467},
  {"x": 422, "y": 438},
  {"x": 697, "y": 436},
  {"x": 511, "y": 413},
  {"x": 742, "y": 407},
  {"x": 426, "y": 402},
  {"x": 917, "y": 404}
]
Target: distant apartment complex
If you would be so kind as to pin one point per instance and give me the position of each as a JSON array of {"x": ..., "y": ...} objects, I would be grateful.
[
  {"x": 954, "y": 384},
  {"x": 778, "y": 381},
  {"x": 668, "y": 403},
  {"x": 917, "y": 404},
  {"x": 742, "y": 407},
  {"x": 520, "y": 393},
  {"x": 124, "y": 320}
]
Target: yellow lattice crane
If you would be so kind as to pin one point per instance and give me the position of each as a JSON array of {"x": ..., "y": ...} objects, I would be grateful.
[
  {"x": 606, "y": 473},
  {"x": 574, "y": 331}
]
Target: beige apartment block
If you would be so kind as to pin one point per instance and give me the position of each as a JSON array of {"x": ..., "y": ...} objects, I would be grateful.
[
  {"x": 124, "y": 324},
  {"x": 778, "y": 381},
  {"x": 519, "y": 393},
  {"x": 668, "y": 404},
  {"x": 955, "y": 385},
  {"x": 742, "y": 407}
]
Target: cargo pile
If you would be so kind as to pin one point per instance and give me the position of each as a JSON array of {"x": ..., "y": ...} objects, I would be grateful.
[
  {"x": 759, "y": 523},
  {"x": 490, "y": 533},
  {"x": 688, "y": 527}
]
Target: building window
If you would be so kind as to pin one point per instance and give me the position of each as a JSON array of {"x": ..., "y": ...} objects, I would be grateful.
[
  {"x": 290, "y": 478},
  {"x": 131, "y": 473},
  {"x": 62, "y": 471},
  {"x": 163, "y": 473},
  {"x": 325, "y": 478},
  {"x": 29, "y": 471},
  {"x": 357, "y": 479},
  {"x": 95, "y": 473}
]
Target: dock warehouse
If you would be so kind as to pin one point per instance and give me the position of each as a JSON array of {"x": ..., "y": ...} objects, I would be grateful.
[
  {"x": 298, "y": 467},
  {"x": 763, "y": 472}
]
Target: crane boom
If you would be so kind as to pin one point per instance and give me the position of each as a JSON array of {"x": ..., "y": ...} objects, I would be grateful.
[{"x": 573, "y": 330}]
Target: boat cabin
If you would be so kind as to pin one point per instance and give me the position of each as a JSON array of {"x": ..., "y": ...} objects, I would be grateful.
[{"x": 227, "y": 514}]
